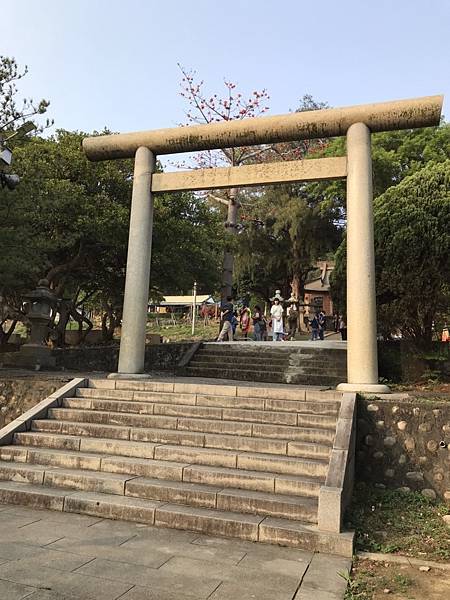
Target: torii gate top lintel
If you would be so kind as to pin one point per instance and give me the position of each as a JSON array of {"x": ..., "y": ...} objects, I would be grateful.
[{"x": 332, "y": 122}]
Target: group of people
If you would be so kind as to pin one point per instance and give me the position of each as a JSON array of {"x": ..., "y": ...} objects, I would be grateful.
[{"x": 231, "y": 318}]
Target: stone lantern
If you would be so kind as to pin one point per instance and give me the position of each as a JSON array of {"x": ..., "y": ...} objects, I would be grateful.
[{"x": 41, "y": 302}]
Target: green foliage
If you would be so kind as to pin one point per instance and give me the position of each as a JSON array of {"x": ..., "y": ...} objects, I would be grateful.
[
  {"x": 395, "y": 155},
  {"x": 370, "y": 579},
  {"x": 12, "y": 115},
  {"x": 68, "y": 221},
  {"x": 412, "y": 246},
  {"x": 390, "y": 521},
  {"x": 188, "y": 241},
  {"x": 412, "y": 240},
  {"x": 287, "y": 230},
  {"x": 63, "y": 207}
]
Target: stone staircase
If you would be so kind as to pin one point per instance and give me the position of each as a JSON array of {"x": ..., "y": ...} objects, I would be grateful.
[
  {"x": 239, "y": 461},
  {"x": 303, "y": 363}
]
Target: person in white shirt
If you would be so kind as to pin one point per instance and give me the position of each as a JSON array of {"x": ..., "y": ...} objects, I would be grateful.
[{"x": 276, "y": 312}]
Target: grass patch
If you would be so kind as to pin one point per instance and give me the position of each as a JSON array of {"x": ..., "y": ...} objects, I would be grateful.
[
  {"x": 397, "y": 522},
  {"x": 183, "y": 332},
  {"x": 370, "y": 579}
]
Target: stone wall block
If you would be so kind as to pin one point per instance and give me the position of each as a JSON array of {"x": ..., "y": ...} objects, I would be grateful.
[
  {"x": 432, "y": 445},
  {"x": 425, "y": 427},
  {"x": 398, "y": 444},
  {"x": 389, "y": 441}
]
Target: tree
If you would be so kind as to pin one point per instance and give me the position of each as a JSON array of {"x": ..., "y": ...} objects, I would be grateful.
[
  {"x": 282, "y": 232},
  {"x": 209, "y": 108},
  {"x": 395, "y": 155},
  {"x": 412, "y": 245},
  {"x": 69, "y": 223},
  {"x": 280, "y": 249},
  {"x": 12, "y": 115}
]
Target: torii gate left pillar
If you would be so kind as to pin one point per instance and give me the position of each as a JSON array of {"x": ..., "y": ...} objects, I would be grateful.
[{"x": 137, "y": 279}]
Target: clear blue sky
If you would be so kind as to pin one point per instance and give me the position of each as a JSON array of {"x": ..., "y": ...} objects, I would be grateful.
[{"x": 114, "y": 63}]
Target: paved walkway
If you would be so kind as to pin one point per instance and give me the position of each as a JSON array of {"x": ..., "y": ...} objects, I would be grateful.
[{"x": 47, "y": 555}]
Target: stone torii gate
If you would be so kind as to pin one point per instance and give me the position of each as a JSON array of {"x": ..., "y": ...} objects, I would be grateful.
[{"x": 355, "y": 122}]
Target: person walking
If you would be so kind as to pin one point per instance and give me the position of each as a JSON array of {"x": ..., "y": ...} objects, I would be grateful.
[
  {"x": 259, "y": 323},
  {"x": 322, "y": 324},
  {"x": 315, "y": 327},
  {"x": 245, "y": 321},
  {"x": 292, "y": 315},
  {"x": 342, "y": 328},
  {"x": 234, "y": 323},
  {"x": 276, "y": 313},
  {"x": 227, "y": 314}
]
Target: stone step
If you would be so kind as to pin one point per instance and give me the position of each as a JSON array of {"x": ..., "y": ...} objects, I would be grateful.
[
  {"x": 252, "y": 351},
  {"x": 306, "y": 368},
  {"x": 192, "y": 423},
  {"x": 273, "y": 364},
  {"x": 109, "y": 506},
  {"x": 64, "y": 471},
  {"x": 235, "y": 373},
  {"x": 180, "y": 410},
  {"x": 300, "y": 379},
  {"x": 311, "y": 401},
  {"x": 293, "y": 485},
  {"x": 273, "y": 442},
  {"x": 82, "y": 461},
  {"x": 283, "y": 532},
  {"x": 146, "y": 449},
  {"x": 135, "y": 395},
  {"x": 135, "y": 390},
  {"x": 232, "y": 500},
  {"x": 314, "y": 407},
  {"x": 268, "y": 377},
  {"x": 317, "y": 370},
  {"x": 73, "y": 479},
  {"x": 285, "y": 376},
  {"x": 208, "y": 521},
  {"x": 92, "y": 457},
  {"x": 283, "y": 352}
]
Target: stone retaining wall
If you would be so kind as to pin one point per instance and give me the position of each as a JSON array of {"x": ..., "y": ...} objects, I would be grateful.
[
  {"x": 400, "y": 361},
  {"x": 158, "y": 357},
  {"x": 18, "y": 394},
  {"x": 398, "y": 445}
]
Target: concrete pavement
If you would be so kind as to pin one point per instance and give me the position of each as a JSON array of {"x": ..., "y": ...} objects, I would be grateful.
[{"x": 46, "y": 555}]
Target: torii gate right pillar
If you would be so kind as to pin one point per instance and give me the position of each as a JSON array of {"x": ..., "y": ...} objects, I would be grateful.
[{"x": 362, "y": 356}]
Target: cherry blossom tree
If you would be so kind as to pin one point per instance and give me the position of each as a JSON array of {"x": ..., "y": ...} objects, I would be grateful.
[{"x": 233, "y": 104}]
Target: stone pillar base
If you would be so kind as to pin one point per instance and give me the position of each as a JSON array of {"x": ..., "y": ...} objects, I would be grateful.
[
  {"x": 373, "y": 388},
  {"x": 132, "y": 376}
]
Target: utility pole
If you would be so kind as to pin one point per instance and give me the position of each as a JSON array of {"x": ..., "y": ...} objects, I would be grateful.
[{"x": 194, "y": 306}]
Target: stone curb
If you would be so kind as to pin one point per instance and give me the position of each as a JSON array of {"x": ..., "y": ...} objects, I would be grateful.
[
  {"x": 336, "y": 493},
  {"x": 403, "y": 560},
  {"x": 188, "y": 355},
  {"x": 39, "y": 411}
]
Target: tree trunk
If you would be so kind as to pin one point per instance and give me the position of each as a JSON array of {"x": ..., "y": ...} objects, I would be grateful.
[
  {"x": 109, "y": 324},
  {"x": 298, "y": 292},
  {"x": 64, "y": 314},
  {"x": 5, "y": 335},
  {"x": 228, "y": 258}
]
